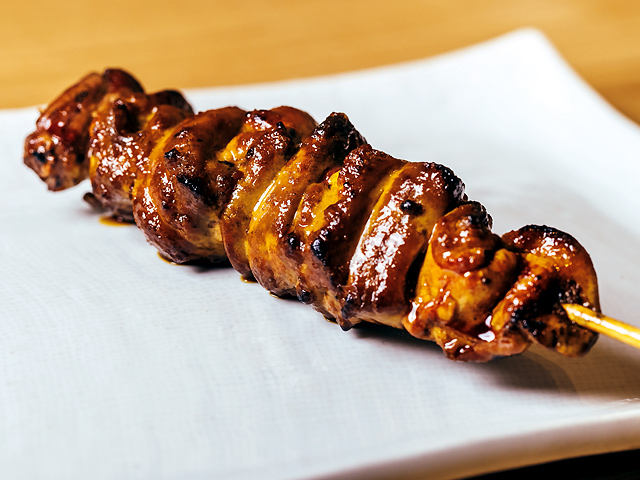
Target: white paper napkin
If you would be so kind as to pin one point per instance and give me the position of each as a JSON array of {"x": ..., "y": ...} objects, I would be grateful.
[{"x": 115, "y": 364}]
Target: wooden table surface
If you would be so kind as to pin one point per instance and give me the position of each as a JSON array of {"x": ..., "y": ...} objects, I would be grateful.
[{"x": 196, "y": 43}]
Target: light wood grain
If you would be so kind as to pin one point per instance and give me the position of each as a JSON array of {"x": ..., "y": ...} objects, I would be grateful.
[{"x": 48, "y": 45}]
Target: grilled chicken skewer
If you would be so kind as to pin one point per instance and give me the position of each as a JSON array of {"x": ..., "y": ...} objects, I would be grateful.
[{"x": 315, "y": 212}]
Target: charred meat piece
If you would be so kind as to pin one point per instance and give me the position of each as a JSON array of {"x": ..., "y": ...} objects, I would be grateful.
[
  {"x": 384, "y": 268},
  {"x": 178, "y": 200},
  {"x": 57, "y": 149},
  {"x": 272, "y": 246},
  {"x": 554, "y": 269},
  {"x": 102, "y": 128},
  {"x": 267, "y": 141},
  {"x": 125, "y": 128},
  {"x": 329, "y": 222},
  {"x": 466, "y": 271}
]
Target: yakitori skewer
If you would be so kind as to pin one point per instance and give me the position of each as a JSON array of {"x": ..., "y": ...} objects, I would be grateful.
[{"x": 313, "y": 211}]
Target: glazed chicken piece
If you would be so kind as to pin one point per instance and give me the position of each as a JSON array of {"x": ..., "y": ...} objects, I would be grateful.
[
  {"x": 466, "y": 271},
  {"x": 314, "y": 211},
  {"x": 554, "y": 269},
  {"x": 383, "y": 268},
  {"x": 102, "y": 128},
  {"x": 267, "y": 141},
  {"x": 205, "y": 177},
  {"x": 57, "y": 150},
  {"x": 178, "y": 200},
  {"x": 125, "y": 128},
  {"x": 271, "y": 244},
  {"x": 480, "y": 296}
]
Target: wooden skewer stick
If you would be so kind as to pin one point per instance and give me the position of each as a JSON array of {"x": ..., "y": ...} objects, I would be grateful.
[{"x": 602, "y": 324}]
